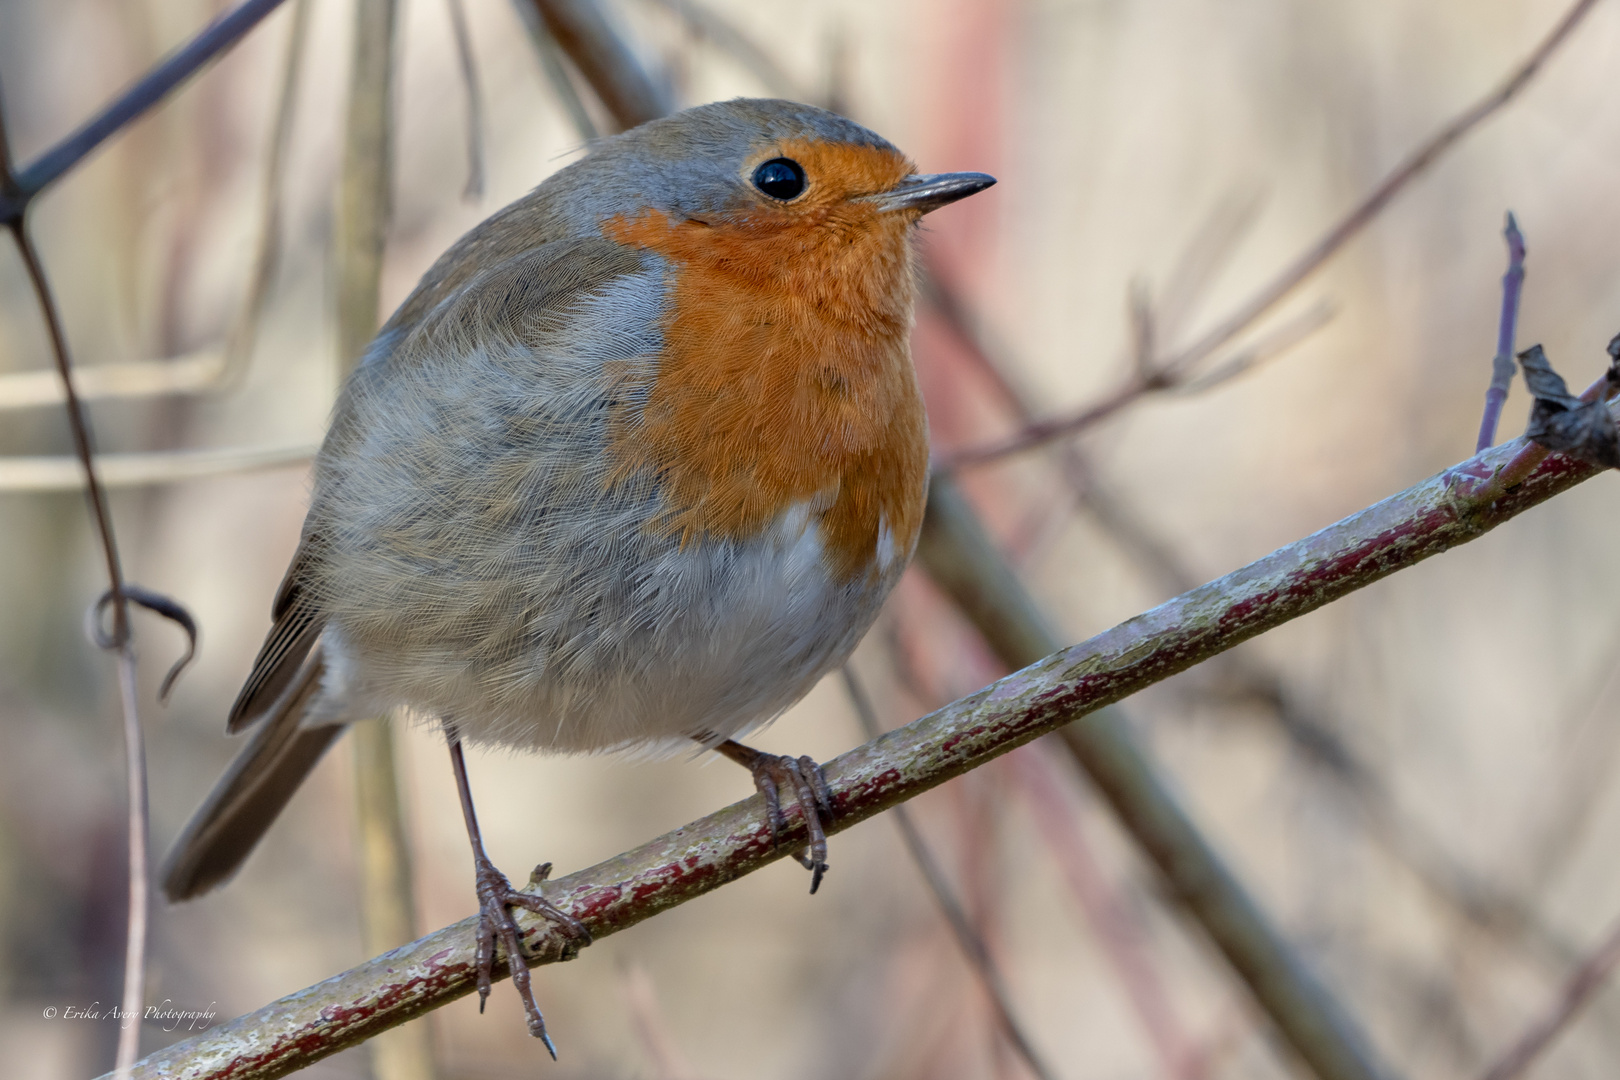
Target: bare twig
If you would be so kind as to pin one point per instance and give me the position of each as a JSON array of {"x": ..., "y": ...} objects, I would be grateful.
[
  {"x": 556, "y": 73},
  {"x": 141, "y": 470},
  {"x": 208, "y": 369},
  {"x": 134, "y": 744},
  {"x": 1122, "y": 942},
  {"x": 475, "y": 100},
  {"x": 579, "y": 28},
  {"x": 967, "y": 936},
  {"x": 1502, "y": 365},
  {"x": 1292, "y": 276},
  {"x": 1583, "y": 984},
  {"x": 1205, "y": 256},
  {"x": 708, "y": 24},
  {"x": 139, "y": 843},
  {"x": 180, "y": 65},
  {"x": 1448, "y": 509},
  {"x": 188, "y": 374},
  {"x": 1246, "y": 678},
  {"x": 1268, "y": 346},
  {"x": 648, "y": 1020},
  {"x": 244, "y": 331},
  {"x": 17, "y": 189}
]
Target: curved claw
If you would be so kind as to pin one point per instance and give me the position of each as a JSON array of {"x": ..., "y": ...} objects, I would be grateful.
[
  {"x": 803, "y": 776},
  {"x": 496, "y": 898}
]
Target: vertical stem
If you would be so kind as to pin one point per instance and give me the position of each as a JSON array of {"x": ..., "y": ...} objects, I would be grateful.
[
  {"x": 244, "y": 332},
  {"x": 364, "y": 190},
  {"x": 385, "y": 860},
  {"x": 388, "y": 914},
  {"x": 129, "y": 1033},
  {"x": 1502, "y": 366}
]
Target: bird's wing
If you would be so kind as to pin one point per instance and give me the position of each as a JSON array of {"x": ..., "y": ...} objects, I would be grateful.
[
  {"x": 297, "y": 622},
  {"x": 529, "y": 299}
]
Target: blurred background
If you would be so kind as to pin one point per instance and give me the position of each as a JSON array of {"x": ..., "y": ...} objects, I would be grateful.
[{"x": 1416, "y": 782}]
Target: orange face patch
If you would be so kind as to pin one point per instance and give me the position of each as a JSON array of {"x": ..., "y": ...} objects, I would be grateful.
[{"x": 786, "y": 373}]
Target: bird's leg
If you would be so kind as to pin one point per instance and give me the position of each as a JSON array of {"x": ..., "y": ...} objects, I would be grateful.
[
  {"x": 496, "y": 898},
  {"x": 804, "y": 777}
]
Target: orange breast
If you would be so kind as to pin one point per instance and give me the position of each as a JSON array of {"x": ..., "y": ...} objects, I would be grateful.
[{"x": 786, "y": 378}]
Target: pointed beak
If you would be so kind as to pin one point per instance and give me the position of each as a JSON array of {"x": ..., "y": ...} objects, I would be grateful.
[{"x": 922, "y": 194}]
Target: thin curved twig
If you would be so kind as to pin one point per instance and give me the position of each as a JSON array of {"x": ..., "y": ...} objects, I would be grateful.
[
  {"x": 17, "y": 190},
  {"x": 134, "y": 990}
]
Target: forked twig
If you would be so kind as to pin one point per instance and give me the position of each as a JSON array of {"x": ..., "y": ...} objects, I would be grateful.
[
  {"x": 1291, "y": 277},
  {"x": 1245, "y": 677}
]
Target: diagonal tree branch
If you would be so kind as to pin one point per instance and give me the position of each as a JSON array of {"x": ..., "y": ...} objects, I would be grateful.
[
  {"x": 218, "y": 36},
  {"x": 1451, "y": 508}
]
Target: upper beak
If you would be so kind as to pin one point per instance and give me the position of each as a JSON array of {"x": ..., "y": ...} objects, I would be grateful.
[{"x": 926, "y": 193}]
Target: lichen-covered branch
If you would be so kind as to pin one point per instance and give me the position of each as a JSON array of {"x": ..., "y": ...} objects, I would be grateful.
[{"x": 1451, "y": 508}]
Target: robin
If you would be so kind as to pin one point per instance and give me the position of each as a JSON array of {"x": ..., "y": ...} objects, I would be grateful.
[{"x": 635, "y": 465}]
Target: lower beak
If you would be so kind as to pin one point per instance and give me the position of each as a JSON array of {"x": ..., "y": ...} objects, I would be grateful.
[{"x": 922, "y": 194}]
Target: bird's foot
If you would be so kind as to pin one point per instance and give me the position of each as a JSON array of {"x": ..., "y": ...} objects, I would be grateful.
[
  {"x": 804, "y": 778},
  {"x": 496, "y": 899}
]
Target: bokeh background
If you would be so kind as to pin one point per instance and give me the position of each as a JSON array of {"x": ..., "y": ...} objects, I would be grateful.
[{"x": 1417, "y": 782}]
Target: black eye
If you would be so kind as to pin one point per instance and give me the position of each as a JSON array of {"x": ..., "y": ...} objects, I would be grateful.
[{"x": 780, "y": 178}]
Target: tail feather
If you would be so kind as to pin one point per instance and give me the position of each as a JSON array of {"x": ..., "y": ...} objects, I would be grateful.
[{"x": 250, "y": 795}]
